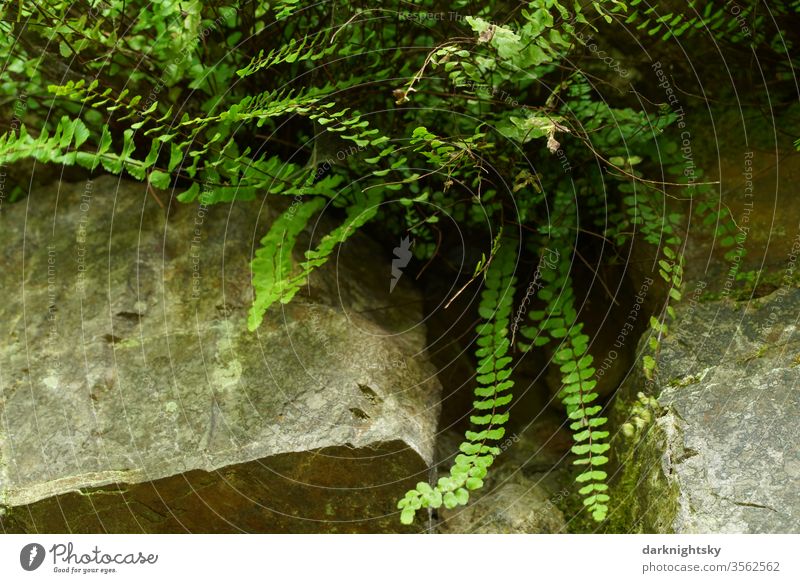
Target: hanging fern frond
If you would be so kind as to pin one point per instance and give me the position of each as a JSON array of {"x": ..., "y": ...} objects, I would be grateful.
[
  {"x": 557, "y": 324},
  {"x": 492, "y": 395},
  {"x": 578, "y": 396}
]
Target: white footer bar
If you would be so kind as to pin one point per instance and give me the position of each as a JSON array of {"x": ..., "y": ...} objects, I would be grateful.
[{"x": 389, "y": 558}]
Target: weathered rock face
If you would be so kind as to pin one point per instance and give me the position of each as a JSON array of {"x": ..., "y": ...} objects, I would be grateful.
[
  {"x": 719, "y": 451},
  {"x": 133, "y": 399},
  {"x": 758, "y": 169},
  {"x": 525, "y": 489},
  {"x": 511, "y": 508}
]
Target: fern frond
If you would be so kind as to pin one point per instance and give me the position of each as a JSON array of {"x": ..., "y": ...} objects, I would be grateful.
[
  {"x": 272, "y": 277},
  {"x": 694, "y": 17},
  {"x": 577, "y": 394},
  {"x": 62, "y": 147},
  {"x": 645, "y": 213},
  {"x": 557, "y": 322},
  {"x": 306, "y": 48},
  {"x": 492, "y": 395},
  {"x": 272, "y": 264}
]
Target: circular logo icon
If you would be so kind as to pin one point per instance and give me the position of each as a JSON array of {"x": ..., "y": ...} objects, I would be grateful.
[{"x": 31, "y": 556}]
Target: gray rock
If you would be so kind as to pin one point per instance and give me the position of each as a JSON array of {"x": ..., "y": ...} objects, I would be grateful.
[
  {"x": 524, "y": 491},
  {"x": 512, "y": 508},
  {"x": 718, "y": 452},
  {"x": 133, "y": 398}
]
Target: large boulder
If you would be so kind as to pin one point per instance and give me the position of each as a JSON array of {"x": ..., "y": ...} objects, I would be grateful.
[
  {"x": 133, "y": 398},
  {"x": 713, "y": 445}
]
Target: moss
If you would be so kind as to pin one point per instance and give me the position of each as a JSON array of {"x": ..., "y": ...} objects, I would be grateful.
[
  {"x": 754, "y": 284},
  {"x": 758, "y": 283},
  {"x": 706, "y": 297},
  {"x": 646, "y": 501},
  {"x": 684, "y": 381},
  {"x": 643, "y": 498},
  {"x": 762, "y": 350},
  {"x": 687, "y": 380}
]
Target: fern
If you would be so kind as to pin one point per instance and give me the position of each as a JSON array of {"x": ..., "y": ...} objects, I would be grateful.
[
  {"x": 480, "y": 120},
  {"x": 291, "y": 52},
  {"x": 696, "y": 16},
  {"x": 492, "y": 395},
  {"x": 271, "y": 267},
  {"x": 272, "y": 264},
  {"x": 215, "y": 158},
  {"x": 233, "y": 175},
  {"x": 575, "y": 365},
  {"x": 557, "y": 324},
  {"x": 62, "y": 147}
]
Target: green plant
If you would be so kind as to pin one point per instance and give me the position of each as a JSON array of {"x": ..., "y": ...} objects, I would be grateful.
[
  {"x": 745, "y": 23},
  {"x": 492, "y": 393},
  {"x": 340, "y": 109},
  {"x": 557, "y": 326},
  {"x": 691, "y": 17}
]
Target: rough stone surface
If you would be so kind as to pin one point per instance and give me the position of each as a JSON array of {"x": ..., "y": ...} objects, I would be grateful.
[
  {"x": 719, "y": 453},
  {"x": 133, "y": 399},
  {"x": 524, "y": 491},
  {"x": 758, "y": 183},
  {"x": 511, "y": 508}
]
